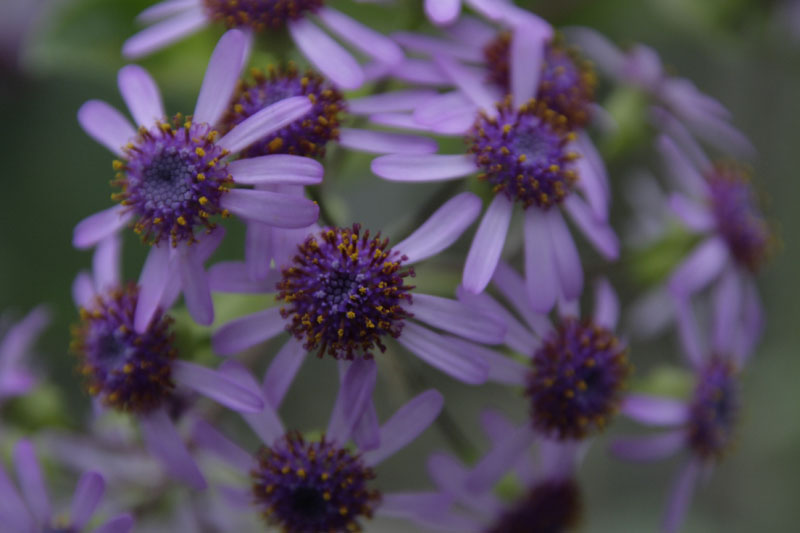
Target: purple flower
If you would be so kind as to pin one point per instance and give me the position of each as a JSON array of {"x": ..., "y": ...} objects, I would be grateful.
[
  {"x": 703, "y": 425},
  {"x": 578, "y": 367},
  {"x": 346, "y": 292},
  {"x": 137, "y": 371},
  {"x": 175, "y": 175},
  {"x": 529, "y": 153},
  {"x": 29, "y": 510},
  {"x": 301, "y": 483},
  {"x": 551, "y": 500},
  {"x": 15, "y": 346},
  {"x": 175, "y": 19}
]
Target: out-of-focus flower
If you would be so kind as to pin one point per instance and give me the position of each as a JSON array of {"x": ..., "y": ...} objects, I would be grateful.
[
  {"x": 29, "y": 510},
  {"x": 175, "y": 19},
  {"x": 15, "y": 347},
  {"x": 703, "y": 425},
  {"x": 16, "y": 25},
  {"x": 320, "y": 483},
  {"x": 137, "y": 372},
  {"x": 175, "y": 175},
  {"x": 346, "y": 292},
  {"x": 529, "y": 153}
]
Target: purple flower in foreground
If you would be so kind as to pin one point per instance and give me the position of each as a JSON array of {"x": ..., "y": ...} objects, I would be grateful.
[
  {"x": 175, "y": 175},
  {"x": 704, "y": 424},
  {"x": 15, "y": 347},
  {"x": 530, "y": 154},
  {"x": 175, "y": 19},
  {"x": 551, "y": 501},
  {"x": 346, "y": 292},
  {"x": 31, "y": 511},
  {"x": 137, "y": 371},
  {"x": 301, "y": 484}
]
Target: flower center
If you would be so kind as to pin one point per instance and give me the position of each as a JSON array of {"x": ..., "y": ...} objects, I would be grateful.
[
  {"x": 173, "y": 179},
  {"x": 549, "y": 507},
  {"x": 714, "y": 409},
  {"x": 738, "y": 216},
  {"x": 127, "y": 370},
  {"x": 344, "y": 291},
  {"x": 306, "y": 137},
  {"x": 524, "y": 154},
  {"x": 303, "y": 486},
  {"x": 260, "y": 14},
  {"x": 577, "y": 379},
  {"x": 567, "y": 81}
]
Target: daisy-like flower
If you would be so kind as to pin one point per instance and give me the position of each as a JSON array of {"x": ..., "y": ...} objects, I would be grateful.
[
  {"x": 15, "y": 347},
  {"x": 551, "y": 501},
  {"x": 641, "y": 67},
  {"x": 346, "y": 292},
  {"x": 301, "y": 483},
  {"x": 531, "y": 155},
  {"x": 717, "y": 202},
  {"x": 175, "y": 175},
  {"x": 703, "y": 425},
  {"x": 28, "y": 510},
  {"x": 175, "y": 19},
  {"x": 137, "y": 372},
  {"x": 578, "y": 367}
]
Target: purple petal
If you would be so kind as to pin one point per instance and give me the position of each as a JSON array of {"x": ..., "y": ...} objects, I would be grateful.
[
  {"x": 164, "y": 33},
  {"x": 276, "y": 169},
  {"x": 119, "y": 524},
  {"x": 471, "y": 84},
  {"x": 565, "y": 254},
  {"x": 681, "y": 170},
  {"x": 471, "y": 31},
  {"x": 688, "y": 332},
  {"x": 216, "y": 386},
  {"x": 208, "y": 438},
  {"x": 526, "y": 57},
  {"x": 382, "y": 142},
  {"x": 82, "y": 291},
  {"x": 258, "y": 250},
  {"x": 426, "y": 167},
  {"x": 403, "y": 121},
  {"x": 608, "y": 58},
  {"x": 221, "y": 77},
  {"x": 681, "y": 496},
  {"x": 503, "y": 456},
  {"x": 598, "y": 232},
  {"x": 19, "y": 339},
  {"x": 141, "y": 95},
  {"x": 558, "y": 459},
  {"x": 273, "y": 208},
  {"x": 13, "y": 511},
  {"x": 106, "y": 263},
  {"x": 88, "y": 493},
  {"x": 93, "y": 229},
  {"x": 436, "y": 350},
  {"x": 165, "y": 444},
  {"x": 444, "y": 107},
  {"x": 541, "y": 278},
  {"x": 727, "y": 310},
  {"x": 233, "y": 277},
  {"x": 16, "y": 382},
  {"x": 649, "y": 448},
  {"x": 393, "y": 101},
  {"x": 487, "y": 245},
  {"x": 194, "y": 282},
  {"x": 518, "y": 338},
  {"x": 442, "y": 229},
  {"x": 457, "y": 318},
  {"x": 606, "y": 305},
  {"x": 328, "y": 56},
  {"x": 442, "y": 12},
  {"x": 702, "y": 266},
  {"x": 419, "y": 71},
  {"x": 654, "y": 410},
  {"x": 164, "y": 9},
  {"x": 592, "y": 187},
  {"x": 360, "y": 37},
  {"x": 366, "y": 433},
  {"x": 412, "y": 505},
  {"x": 152, "y": 281},
  {"x": 753, "y": 323},
  {"x": 268, "y": 120},
  {"x": 695, "y": 215},
  {"x": 245, "y": 332},
  {"x": 106, "y": 125},
  {"x": 502, "y": 368},
  {"x": 31, "y": 481},
  {"x": 513, "y": 288},
  {"x": 406, "y": 424},
  {"x": 282, "y": 370},
  {"x": 355, "y": 394},
  {"x": 432, "y": 46}
]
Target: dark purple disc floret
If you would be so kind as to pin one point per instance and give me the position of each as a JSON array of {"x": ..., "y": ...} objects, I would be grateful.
[
  {"x": 313, "y": 486},
  {"x": 577, "y": 379},
  {"x": 344, "y": 291},
  {"x": 305, "y": 137},
  {"x": 524, "y": 154},
  {"x": 714, "y": 409},
  {"x": 260, "y": 15},
  {"x": 173, "y": 179},
  {"x": 552, "y": 506},
  {"x": 128, "y": 370}
]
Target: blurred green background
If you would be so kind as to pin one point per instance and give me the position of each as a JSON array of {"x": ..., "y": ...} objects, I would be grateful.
[{"x": 740, "y": 51}]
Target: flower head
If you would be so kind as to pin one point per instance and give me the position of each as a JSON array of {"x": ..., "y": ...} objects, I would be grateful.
[
  {"x": 260, "y": 15},
  {"x": 714, "y": 409},
  {"x": 550, "y": 506}
]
